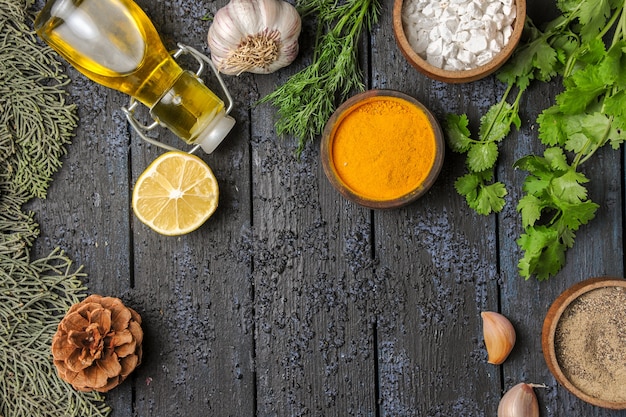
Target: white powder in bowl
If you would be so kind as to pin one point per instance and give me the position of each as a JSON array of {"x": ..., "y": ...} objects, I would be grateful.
[{"x": 458, "y": 35}]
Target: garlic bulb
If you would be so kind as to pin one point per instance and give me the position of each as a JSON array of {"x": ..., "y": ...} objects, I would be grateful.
[
  {"x": 499, "y": 336},
  {"x": 258, "y": 36},
  {"x": 519, "y": 401}
]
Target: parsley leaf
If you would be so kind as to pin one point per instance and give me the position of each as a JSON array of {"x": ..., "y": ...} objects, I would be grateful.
[
  {"x": 535, "y": 59},
  {"x": 458, "y": 133},
  {"x": 593, "y": 15},
  {"x": 530, "y": 208},
  {"x": 482, "y": 156},
  {"x": 554, "y": 191},
  {"x": 589, "y": 113},
  {"x": 567, "y": 186},
  {"x": 552, "y": 130},
  {"x": 481, "y": 195},
  {"x": 576, "y": 214},
  {"x": 496, "y": 123},
  {"x": 583, "y": 87},
  {"x": 544, "y": 253}
]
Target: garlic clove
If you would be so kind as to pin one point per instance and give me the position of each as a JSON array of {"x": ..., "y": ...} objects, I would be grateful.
[
  {"x": 499, "y": 336},
  {"x": 519, "y": 401}
]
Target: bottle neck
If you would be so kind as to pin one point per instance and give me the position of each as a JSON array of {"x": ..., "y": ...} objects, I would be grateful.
[{"x": 152, "y": 87}]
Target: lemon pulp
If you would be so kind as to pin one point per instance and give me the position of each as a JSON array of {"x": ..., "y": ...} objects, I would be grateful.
[{"x": 176, "y": 194}]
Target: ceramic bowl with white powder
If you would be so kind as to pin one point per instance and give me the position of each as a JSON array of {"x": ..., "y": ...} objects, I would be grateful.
[{"x": 458, "y": 41}]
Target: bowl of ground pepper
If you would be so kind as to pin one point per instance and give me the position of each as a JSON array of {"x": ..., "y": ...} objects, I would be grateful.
[
  {"x": 584, "y": 341},
  {"x": 382, "y": 149}
]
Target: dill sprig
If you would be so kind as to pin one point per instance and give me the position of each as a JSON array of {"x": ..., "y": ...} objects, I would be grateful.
[
  {"x": 308, "y": 98},
  {"x": 35, "y": 125}
]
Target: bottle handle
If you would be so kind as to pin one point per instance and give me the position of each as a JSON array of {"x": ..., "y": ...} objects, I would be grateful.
[{"x": 141, "y": 128}]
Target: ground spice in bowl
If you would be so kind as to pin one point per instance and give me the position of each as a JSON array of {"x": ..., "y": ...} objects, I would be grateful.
[
  {"x": 382, "y": 149},
  {"x": 584, "y": 341}
]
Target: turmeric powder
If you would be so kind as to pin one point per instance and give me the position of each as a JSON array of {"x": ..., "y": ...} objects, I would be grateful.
[{"x": 384, "y": 148}]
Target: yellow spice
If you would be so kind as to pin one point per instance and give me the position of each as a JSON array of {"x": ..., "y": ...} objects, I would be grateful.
[{"x": 384, "y": 148}]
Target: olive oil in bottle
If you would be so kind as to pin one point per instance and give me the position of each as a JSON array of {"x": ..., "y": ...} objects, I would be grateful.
[{"x": 115, "y": 44}]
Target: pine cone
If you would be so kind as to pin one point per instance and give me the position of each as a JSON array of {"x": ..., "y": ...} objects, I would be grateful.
[{"x": 97, "y": 344}]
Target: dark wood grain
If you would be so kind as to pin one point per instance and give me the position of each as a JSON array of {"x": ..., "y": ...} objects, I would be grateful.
[
  {"x": 196, "y": 289},
  {"x": 437, "y": 265},
  {"x": 291, "y": 300}
]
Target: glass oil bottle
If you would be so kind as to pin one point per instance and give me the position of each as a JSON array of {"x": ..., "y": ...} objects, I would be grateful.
[{"x": 115, "y": 44}]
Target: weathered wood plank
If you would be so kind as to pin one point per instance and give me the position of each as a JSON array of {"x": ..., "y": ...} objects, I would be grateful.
[
  {"x": 86, "y": 212},
  {"x": 438, "y": 263},
  {"x": 312, "y": 274},
  {"x": 195, "y": 293},
  {"x": 195, "y": 290}
]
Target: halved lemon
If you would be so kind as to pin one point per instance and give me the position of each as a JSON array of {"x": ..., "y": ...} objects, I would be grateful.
[{"x": 176, "y": 194}]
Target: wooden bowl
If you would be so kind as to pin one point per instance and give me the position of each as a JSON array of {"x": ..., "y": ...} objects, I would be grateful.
[
  {"x": 427, "y": 150},
  {"x": 463, "y": 76},
  {"x": 558, "y": 364}
]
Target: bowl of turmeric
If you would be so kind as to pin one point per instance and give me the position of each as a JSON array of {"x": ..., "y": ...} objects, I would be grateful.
[{"x": 382, "y": 149}]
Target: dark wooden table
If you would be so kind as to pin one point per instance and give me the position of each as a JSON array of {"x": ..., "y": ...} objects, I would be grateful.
[{"x": 291, "y": 301}]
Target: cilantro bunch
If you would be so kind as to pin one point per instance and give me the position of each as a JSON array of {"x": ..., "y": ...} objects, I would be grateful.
[{"x": 586, "y": 47}]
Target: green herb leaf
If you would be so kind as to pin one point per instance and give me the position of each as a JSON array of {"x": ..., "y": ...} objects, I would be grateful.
[
  {"x": 544, "y": 253},
  {"x": 592, "y": 53},
  {"x": 576, "y": 214},
  {"x": 593, "y": 17},
  {"x": 482, "y": 156},
  {"x": 457, "y": 133},
  {"x": 534, "y": 164},
  {"x": 556, "y": 159},
  {"x": 530, "y": 208},
  {"x": 490, "y": 198},
  {"x": 535, "y": 59},
  {"x": 583, "y": 88},
  {"x": 496, "y": 123},
  {"x": 307, "y": 100},
  {"x": 554, "y": 207},
  {"x": 567, "y": 186},
  {"x": 551, "y": 127},
  {"x": 482, "y": 197}
]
